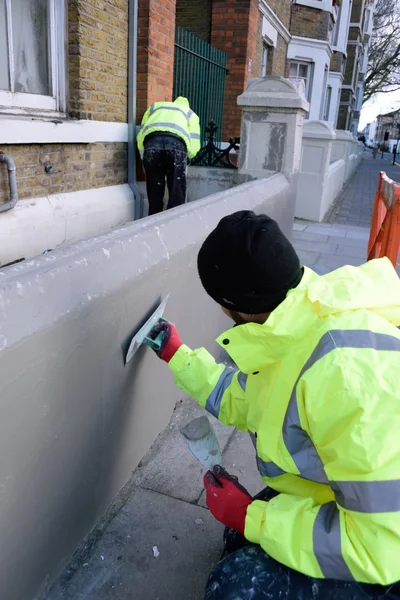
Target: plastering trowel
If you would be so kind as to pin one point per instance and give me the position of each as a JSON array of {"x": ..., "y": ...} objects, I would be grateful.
[
  {"x": 141, "y": 337},
  {"x": 202, "y": 442}
]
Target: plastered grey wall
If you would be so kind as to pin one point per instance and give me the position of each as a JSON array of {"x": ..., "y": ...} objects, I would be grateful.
[{"x": 75, "y": 421}]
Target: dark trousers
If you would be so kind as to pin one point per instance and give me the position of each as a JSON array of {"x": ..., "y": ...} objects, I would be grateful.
[
  {"x": 247, "y": 572},
  {"x": 165, "y": 160}
]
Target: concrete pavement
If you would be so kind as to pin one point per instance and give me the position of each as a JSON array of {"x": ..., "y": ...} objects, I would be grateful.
[
  {"x": 354, "y": 207},
  {"x": 157, "y": 541}
]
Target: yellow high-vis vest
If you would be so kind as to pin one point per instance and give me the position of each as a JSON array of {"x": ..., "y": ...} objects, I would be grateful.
[
  {"x": 319, "y": 385},
  {"x": 172, "y": 117}
]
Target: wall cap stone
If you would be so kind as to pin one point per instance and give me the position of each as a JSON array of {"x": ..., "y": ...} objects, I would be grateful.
[
  {"x": 272, "y": 92},
  {"x": 318, "y": 130},
  {"x": 343, "y": 135}
]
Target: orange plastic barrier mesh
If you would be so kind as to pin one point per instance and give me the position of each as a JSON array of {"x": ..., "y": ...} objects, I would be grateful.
[{"x": 384, "y": 237}]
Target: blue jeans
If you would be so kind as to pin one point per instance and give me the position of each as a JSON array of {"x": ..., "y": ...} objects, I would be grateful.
[{"x": 250, "y": 574}]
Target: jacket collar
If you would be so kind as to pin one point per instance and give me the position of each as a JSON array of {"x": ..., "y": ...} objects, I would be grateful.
[{"x": 254, "y": 347}]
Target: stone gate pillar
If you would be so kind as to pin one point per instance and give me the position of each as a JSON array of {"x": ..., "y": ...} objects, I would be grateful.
[{"x": 272, "y": 128}]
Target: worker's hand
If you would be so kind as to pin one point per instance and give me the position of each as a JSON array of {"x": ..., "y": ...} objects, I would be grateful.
[
  {"x": 226, "y": 498},
  {"x": 171, "y": 341}
]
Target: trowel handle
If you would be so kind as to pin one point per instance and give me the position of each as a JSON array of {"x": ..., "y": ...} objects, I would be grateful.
[{"x": 157, "y": 343}]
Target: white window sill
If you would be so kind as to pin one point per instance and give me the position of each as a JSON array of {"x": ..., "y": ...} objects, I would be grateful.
[{"x": 14, "y": 130}]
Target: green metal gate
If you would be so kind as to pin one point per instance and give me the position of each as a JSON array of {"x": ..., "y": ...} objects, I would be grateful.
[{"x": 199, "y": 75}]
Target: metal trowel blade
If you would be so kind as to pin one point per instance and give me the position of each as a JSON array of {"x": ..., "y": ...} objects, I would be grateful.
[
  {"x": 202, "y": 442},
  {"x": 137, "y": 339}
]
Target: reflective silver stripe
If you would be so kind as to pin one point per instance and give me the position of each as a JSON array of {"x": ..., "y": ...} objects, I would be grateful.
[
  {"x": 141, "y": 152},
  {"x": 169, "y": 125},
  {"x": 242, "y": 379},
  {"x": 153, "y": 109},
  {"x": 268, "y": 469},
  {"x": 190, "y": 113},
  {"x": 214, "y": 400},
  {"x": 195, "y": 136},
  {"x": 327, "y": 543},
  {"x": 368, "y": 496},
  {"x": 297, "y": 441}
]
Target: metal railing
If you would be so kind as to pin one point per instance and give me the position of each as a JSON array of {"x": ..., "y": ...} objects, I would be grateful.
[{"x": 199, "y": 75}]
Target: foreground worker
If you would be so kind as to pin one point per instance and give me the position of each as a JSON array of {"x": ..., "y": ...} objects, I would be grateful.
[
  {"x": 170, "y": 132},
  {"x": 318, "y": 385}
]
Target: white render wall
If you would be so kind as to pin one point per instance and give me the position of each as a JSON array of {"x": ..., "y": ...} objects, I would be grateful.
[{"x": 329, "y": 159}]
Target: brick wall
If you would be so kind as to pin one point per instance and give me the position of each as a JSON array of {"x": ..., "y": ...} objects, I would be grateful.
[
  {"x": 156, "y": 37},
  {"x": 354, "y": 34},
  {"x": 282, "y": 10},
  {"x": 337, "y": 59},
  {"x": 195, "y": 16},
  {"x": 98, "y": 59},
  {"x": 350, "y": 64},
  {"x": 75, "y": 167},
  {"x": 342, "y": 117},
  {"x": 310, "y": 22},
  {"x": 234, "y": 29},
  {"x": 356, "y": 11},
  {"x": 280, "y": 65}
]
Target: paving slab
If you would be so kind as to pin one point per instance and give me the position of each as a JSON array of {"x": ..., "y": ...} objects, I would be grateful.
[
  {"x": 187, "y": 542},
  {"x": 308, "y": 258},
  {"x": 170, "y": 468},
  {"x": 332, "y": 262},
  {"x": 335, "y": 247},
  {"x": 355, "y": 204}
]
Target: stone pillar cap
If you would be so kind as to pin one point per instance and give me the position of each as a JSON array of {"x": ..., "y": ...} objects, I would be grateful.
[
  {"x": 273, "y": 92},
  {"x": 318, "y": 129}
]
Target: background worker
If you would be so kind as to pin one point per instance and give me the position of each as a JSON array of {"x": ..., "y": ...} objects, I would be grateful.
[
  {"x": 170, "y": 132},
  {"x": 317, "y": 385}
]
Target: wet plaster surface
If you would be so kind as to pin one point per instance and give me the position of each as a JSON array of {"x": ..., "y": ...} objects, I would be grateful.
[{"x": 159, "y": 541}]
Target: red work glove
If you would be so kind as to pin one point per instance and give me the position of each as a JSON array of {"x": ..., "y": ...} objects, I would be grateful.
[
  {"x": 171, "y": 341},
  {"x": 226, "y": 498}
]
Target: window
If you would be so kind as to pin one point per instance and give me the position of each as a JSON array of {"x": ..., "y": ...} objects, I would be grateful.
[
  {"x": 327, "y": 106},
  {"x": 265, "y": 59},
  {"x": 367, "y": 18},
  {"x": 301, "y": 72},
  {"x": 357, "y": 98},
  {"x": 31, "y": 54}
]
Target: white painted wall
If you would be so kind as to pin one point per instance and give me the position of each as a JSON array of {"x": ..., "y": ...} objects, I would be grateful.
[
  {"x": 46, "y": 223},
  {"x": 329, "y": 159},
  {"x": 18, "y": 130},
  {"x": 318, "y": 53}
]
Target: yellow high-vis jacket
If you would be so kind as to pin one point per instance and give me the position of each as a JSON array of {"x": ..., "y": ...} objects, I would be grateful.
[
  {"x": 319, "y": 385},
  {"x": 172, "y": 117}
]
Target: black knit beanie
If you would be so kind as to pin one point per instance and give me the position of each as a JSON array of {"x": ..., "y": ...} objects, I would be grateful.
[{"x": 247, "y": 265}]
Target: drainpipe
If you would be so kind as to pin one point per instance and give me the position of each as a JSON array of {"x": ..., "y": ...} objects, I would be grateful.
[
  {"x": 12, "y": 182},
  {"x": 132, "y": 76}
]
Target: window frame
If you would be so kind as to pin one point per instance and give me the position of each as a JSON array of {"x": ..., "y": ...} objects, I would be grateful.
[
  {"x": 266, "y": 49},
  {"x": 327, "y": 102},
  {"x": 308, "y": 83},
  {"x": 22, "y": 103}
]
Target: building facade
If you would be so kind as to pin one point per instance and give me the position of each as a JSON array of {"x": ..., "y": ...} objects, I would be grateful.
[
  {"x": 253, "y": 33},
  {"x": 329, "y": 52},
  {"x": 359, "y": 35},
  {"x": 387, "y": 132}
]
